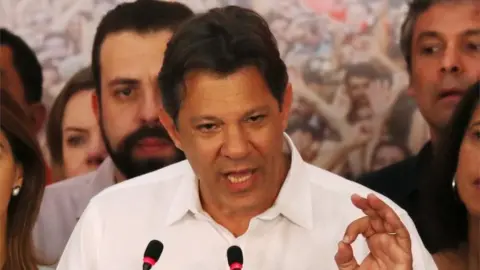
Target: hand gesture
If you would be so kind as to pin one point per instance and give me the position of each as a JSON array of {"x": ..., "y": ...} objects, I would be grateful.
[
  {"x": 342, "y": 102},
  {"x": 387, "y": 238},
  {"x": 380, "y": 97},
  {"x": 361, "y": 134}
]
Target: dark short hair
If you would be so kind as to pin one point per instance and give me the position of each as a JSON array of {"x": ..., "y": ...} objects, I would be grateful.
[
  {"x": 363, "y": 70},
  {"x": 221, "y": 40},
  {"x": 444, "y": 218},
  {"x": 81, "y": 81},
  {"x": 415, "y": 10},
  {"x": 141, "y": 16},
  {"x": 26, "y": 64}
]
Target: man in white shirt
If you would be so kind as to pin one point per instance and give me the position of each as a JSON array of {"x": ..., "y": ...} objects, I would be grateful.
[
  {"x": 227, "y": 98},
  {"x": 127, "y": 55}
]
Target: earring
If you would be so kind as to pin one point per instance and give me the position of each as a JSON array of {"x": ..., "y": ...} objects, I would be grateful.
[
  {"x": 454, "y": 188},
  {"x": 16, "y": 191}
]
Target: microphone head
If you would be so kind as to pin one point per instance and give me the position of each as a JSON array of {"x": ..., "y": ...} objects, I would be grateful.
[
  {"x": 234, "y": 255},
  {"x": 153, "y": 252}
]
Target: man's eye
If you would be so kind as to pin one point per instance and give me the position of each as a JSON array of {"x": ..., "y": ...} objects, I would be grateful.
[
  {"x": 207, "y": 127},
  {"x": 124, "y": 92},
  {"x": 256, "y": 118},
  {"x": 428, "y": 50}
]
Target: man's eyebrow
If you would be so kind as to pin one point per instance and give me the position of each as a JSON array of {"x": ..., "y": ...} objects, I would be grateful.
[
  {"x": 123, "y": 81},
  {"x": 472, "y": 32},
  {"x": 428, "y": 34}
]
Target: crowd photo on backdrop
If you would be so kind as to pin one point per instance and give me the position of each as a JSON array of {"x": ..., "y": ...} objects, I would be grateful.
[{"x": 240, "y": 134}]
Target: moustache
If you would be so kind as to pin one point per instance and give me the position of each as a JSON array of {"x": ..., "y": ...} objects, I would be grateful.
[{"x": 158, "y": 132}]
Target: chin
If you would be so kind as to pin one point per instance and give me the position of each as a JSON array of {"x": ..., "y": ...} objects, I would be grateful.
[{"x": 473, "y": 209}]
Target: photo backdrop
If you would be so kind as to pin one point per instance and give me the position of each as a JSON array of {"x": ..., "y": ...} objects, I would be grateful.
[{"x": 351, "y": 113}]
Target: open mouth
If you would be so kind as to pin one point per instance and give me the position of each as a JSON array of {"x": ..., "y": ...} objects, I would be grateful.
[
  {"x": 452, "y": 94},
  {"x": 240, "y": 181},
  {"x": 239, "y": 176}
]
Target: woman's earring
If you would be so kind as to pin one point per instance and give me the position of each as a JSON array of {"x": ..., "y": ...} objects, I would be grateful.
[{"x": 16, "y": 191}]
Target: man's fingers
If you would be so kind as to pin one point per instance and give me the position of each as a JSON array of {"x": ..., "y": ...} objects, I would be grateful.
[
  {"x": 363, "y": 204},
  {"x": 359, "y": 226},
  {"x": 344, "y": 257},
  {"x": 395, "y": 225}
]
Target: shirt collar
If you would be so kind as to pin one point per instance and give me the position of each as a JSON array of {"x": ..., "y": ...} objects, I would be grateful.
[
  {"x": 186, "y": 199},
  {"x": 294, "y": 201}
]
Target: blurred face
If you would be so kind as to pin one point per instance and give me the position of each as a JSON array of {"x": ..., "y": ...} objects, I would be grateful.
[
  {"x": 83, "y": 148},
  {"x": 468, "y": 171},
  {"x": 10, "y": 81},
  {"x": 445, "y": 59},
  {"x": 387, "y": 155},
  {"x": 11, "y": 174},
  {"x": 231, "y": 130},
  {"x": 357, "y": 87},
  {"x": 130, "y": 103}
]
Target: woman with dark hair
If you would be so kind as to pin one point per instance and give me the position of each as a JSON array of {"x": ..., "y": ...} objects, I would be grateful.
[
  {"x": 73, "y": 135},
  {"x": 22, "y": 181},
  {"x": 451, "y": 196}
]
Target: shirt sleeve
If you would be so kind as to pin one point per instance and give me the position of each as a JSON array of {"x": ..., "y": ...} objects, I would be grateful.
[
  {"x": 82, "y": 250},
  {"x": 422, "y": 260}
]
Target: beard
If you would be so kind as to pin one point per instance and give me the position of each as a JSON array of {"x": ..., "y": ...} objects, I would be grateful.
[{"x": 124, "y": 159}]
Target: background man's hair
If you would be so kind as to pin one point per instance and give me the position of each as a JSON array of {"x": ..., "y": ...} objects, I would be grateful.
[
  {"x": 26, "y": 64},
  {"x": 142, "y": 16}
]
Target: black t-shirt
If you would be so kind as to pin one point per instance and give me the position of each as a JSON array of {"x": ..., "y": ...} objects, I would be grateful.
[{"x": 400, "y": 182}]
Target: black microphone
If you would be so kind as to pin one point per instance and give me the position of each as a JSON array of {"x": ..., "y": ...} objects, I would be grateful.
[
  {"x": 152, "y": 254},
  {"x": 235, "y": 258}
]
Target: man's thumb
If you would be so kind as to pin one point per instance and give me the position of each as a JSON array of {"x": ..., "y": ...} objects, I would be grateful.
[{"x": 344, "y": 257}]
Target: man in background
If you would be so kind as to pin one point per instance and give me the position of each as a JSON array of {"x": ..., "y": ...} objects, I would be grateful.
[
  {"x": 21, "y": 75},
  {"x": 440, "y": 41},
  {"x": 126, "y": 58}
]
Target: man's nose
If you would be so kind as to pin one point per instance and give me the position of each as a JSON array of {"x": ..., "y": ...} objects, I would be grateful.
[
  {"x": 451, "y": 61},
  {"x": 150, "y": 109},
  {"x": 236, "y": 143}
]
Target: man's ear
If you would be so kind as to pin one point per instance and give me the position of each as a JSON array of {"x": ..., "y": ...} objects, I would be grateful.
[
  {"x": 171, "y": 128},
  {"x": 95, "y": 105},
  {"x": 38, "y": 115},
  {"x": 287, "y": 105}
]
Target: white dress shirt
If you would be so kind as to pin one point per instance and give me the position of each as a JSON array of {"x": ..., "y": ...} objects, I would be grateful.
[
  {"x": 300, "y": 231},
  {"x": 62, "y": 205}
]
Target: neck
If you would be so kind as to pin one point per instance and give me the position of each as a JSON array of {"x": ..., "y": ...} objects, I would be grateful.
[
  {"x": 118, "y": 176},
  {"x": 473, "y": 243},
  {"x": 3, "y": 240},
  {"x": 434, "y": 137},
  {"x": 237, "y": 220}
]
